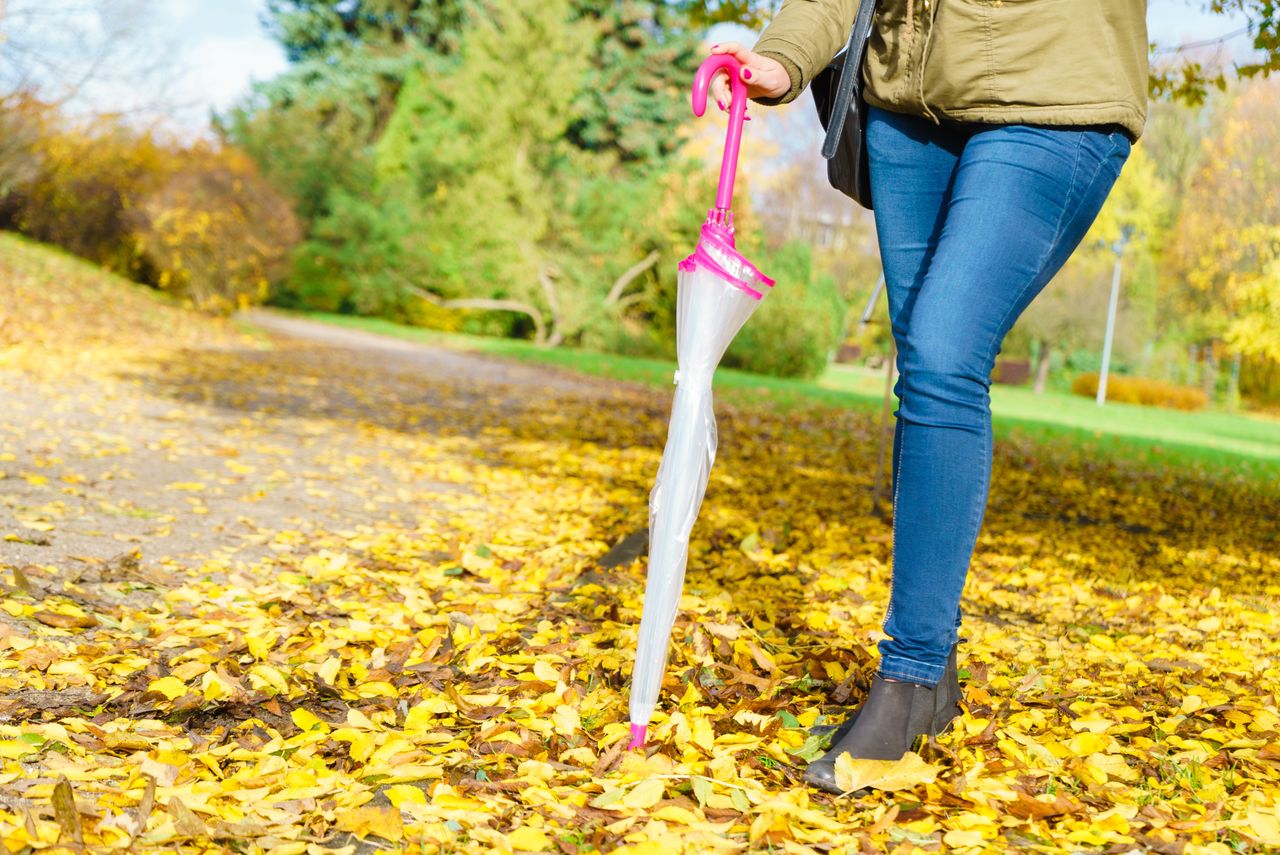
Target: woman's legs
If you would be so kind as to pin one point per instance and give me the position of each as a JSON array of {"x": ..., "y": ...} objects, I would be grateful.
[{"x": 973, "y": 221}]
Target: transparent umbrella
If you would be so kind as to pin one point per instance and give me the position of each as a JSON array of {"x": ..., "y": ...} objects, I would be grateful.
[{"x": 718, "y": 290}]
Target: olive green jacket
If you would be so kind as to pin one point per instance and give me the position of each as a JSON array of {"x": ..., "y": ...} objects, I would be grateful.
[{"x": 1042, "y": 62}]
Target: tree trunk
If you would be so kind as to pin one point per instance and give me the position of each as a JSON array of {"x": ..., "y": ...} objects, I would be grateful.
[
  {"x": 1233, "y": 387},
  {"x": 1209, "y": 374},
  {"x": 1042, "y": 366}
]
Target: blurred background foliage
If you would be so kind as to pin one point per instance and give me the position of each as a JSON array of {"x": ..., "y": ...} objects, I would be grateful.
[{"x": 530, "y": 169}]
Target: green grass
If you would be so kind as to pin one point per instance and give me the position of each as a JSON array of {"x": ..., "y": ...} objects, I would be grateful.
[{"x": 1211, "y": 442}]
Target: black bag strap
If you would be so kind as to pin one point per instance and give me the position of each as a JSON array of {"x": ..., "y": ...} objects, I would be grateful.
[{"x": 850, "y": 76}]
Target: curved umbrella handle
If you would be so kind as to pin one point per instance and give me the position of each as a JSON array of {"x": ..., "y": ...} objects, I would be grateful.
[{"x": 737, "y": 113}]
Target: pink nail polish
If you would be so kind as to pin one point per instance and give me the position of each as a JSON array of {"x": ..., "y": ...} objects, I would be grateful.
[
  {"x": 746, "y": 74},
  {"x": 713, "y": 47},
  {"x": 720, "y": 103}
]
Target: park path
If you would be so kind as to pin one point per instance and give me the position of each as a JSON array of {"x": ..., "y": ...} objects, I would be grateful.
[
  {"x": 397, "y": 354},
  {"x": 259, "y": 419}
]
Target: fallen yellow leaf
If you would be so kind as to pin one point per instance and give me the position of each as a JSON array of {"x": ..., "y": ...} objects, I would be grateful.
[
  {"x": 856, "y": 774},
  {"x": 528, "y": 839},
  {"x": 381, "y": 822},
  {"x": 170, "y": 687},
  {"x": 645, "y": 794}
]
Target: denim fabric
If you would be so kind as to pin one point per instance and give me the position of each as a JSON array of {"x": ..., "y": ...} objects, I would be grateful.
[{"x": 973, "y": 220}]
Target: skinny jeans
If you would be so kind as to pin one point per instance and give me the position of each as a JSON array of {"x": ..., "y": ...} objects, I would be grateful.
[{"x": 973, "y": 220}]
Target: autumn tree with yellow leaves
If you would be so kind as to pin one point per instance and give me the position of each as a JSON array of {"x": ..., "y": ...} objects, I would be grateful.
[{"x": 1224, "y": 253}]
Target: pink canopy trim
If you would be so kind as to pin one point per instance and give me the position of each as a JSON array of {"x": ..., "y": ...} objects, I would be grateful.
[{"x": 716, "y": 252}]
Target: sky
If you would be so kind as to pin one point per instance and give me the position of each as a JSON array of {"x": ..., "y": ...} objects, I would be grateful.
[
  {"x": 216, "y": 48},
  {"x": 225, "y": 47},
  {"x": 183, "y": 58}
]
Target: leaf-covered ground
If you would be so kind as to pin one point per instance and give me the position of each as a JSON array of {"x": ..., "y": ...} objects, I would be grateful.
[{"x": 280, "y": 594}]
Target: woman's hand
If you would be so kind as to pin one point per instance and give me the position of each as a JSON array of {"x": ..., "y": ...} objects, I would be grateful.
[{"x": 765, "y": 77}]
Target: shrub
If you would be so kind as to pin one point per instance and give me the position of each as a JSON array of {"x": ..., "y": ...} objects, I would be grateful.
[
  {"x": 1142, "y": 390},
  {"x": 88, "y": 178},
  {"x": 214, "y": 232},
  {"x": 24, "y": 120},
  {"x": 196, "y": 220},
  {"x": 797, "y": 328}
]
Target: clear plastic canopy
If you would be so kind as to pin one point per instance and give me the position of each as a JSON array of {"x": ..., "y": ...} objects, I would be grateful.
[{"x": 711, "y": 309}]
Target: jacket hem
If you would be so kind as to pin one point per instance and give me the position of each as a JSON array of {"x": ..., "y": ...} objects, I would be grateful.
[{"x": 1121, "y": 113}]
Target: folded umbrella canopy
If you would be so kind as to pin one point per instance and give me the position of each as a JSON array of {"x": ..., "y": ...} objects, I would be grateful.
[{"x": 718, "y": 290}]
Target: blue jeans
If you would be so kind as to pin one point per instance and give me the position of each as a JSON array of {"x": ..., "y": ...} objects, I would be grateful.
[{"x": 973, "y": 220}]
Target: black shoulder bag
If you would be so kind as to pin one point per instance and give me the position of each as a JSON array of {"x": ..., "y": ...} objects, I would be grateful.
[{"x": 837, "y": 91}]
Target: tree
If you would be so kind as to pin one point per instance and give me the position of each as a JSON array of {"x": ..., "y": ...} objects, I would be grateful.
[
  {"x": 1224, "y": 239},
  {"x": 794, "y": 333},
  {"x": 634, "y": 98},
  {"x": 1254, "y": 329},
  {"x": 320, "y": 29},
  {"x": 795, "y": 202},
  {"x": 468, "y": 198},
  {"x": 1174, "y": 139},
  {"x": 87, "y": 179},
  {"x": 435, "y": 171},
  {"x": 194, "y": 219},
  {"x": 312, "y": 128},
  {"x": 1071, "y": 310},
  {"x": 213, "y": 231},
  {"x": 24, "y": 121}
]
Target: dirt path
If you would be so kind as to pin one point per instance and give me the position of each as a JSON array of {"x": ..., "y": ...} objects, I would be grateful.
[
  {"x": 400, "y": 355},
  {"x": 91, "y": 470}
]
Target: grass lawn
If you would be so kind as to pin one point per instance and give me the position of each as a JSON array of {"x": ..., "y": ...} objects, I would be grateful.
[{"x": 1230, "y": 444}]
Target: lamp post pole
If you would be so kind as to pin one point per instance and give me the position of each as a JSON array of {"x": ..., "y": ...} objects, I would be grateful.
[{"x": 1118, "y": 248}]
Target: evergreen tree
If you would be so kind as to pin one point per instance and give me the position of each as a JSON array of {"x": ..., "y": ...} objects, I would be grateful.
[
  {"x": 317, "y": 29},
  {"x": 311, "y": 128},
  {"x": 471, "y": 174},
  {"x": 636, "y": 92}
]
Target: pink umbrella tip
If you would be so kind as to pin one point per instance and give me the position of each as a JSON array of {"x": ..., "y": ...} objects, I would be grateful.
[{"x": 638, "y": 733}]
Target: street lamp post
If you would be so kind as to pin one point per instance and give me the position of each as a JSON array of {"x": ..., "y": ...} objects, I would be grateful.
[{"x": 1118, "y": 248}]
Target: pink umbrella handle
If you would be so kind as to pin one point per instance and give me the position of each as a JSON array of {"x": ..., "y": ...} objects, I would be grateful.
[{"x": 737, "y": 113}]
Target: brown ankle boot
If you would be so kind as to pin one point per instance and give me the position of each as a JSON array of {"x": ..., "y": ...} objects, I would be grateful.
[
  {"x": 894, "y": 716},
  {"x": 950, "y": 683}
]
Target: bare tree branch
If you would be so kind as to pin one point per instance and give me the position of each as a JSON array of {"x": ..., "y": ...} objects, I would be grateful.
[
  {"x": 629, "y": 300},
  {"x": 488, "y": 304},
  {"x": 545, "y": 278},
  {"x": 98, "y": 56},
  {"x": 632, "y": 272}
]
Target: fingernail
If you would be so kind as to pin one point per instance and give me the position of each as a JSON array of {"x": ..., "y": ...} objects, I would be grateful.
[
  {"x": 713, "y": 47},
  {"x": 746, "y": 74},
  {"x": 720, "y": 103}
]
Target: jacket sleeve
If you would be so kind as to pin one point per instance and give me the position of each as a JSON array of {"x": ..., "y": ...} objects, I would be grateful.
[{"x": 803, "y": 37}]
